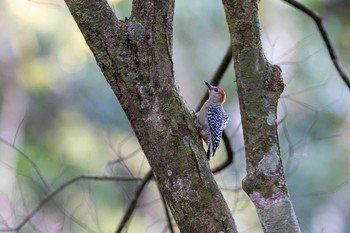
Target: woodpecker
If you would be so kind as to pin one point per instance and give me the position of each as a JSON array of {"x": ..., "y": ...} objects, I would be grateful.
[{"x": 212, "y": 118}]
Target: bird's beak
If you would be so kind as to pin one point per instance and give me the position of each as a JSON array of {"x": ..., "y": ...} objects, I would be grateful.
[{"x": 208, "y": 85}]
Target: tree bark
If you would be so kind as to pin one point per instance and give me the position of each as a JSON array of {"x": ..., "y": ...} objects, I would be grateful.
[
  {"x": 135, "y": 56},
  {"x": 259, "y": 87}
]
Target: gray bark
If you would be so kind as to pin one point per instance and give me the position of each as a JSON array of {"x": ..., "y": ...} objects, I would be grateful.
[
  {"x": 259, "y": 86},
  {"x": 135, "y": 56}
]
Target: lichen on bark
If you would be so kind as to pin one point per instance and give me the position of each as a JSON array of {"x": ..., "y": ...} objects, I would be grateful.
[
  {"x": 135, "y": 56},
  {"x": 259, "y": 87}
]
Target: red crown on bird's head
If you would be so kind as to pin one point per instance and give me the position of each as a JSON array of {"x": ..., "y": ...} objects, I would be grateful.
[{"x": 223, "y": 96}]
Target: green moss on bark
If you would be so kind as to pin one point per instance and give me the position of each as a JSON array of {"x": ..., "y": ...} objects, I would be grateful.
[{"x": 259, "y": 86}]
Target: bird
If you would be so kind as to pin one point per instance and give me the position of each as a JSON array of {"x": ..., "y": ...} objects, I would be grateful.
[{"x": 212, "y": 118}]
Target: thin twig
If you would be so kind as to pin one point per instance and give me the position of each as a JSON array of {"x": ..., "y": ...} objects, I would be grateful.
[
  {"x": 36, "y": 168},
  {"x": 61, "y": 188},
  {"x": 318, "y": 20},
  {"x": 47, "y": 186},
  {"x": 17, "y": 131},
  {"x": 35, "y": 229},
  {"x": 132, "y": 205}
]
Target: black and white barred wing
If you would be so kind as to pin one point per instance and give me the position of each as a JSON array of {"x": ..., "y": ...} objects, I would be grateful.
[{"x": 217, "y": 119}]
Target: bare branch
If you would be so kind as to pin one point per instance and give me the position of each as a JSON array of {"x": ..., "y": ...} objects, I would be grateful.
[
  {"x": 41, "y": 177},
  {"x": 318, "y": 20},
  {"x": 60, "y": 189},
  {"x": 36, "y": 168},
  {"x": 132, "y": 205}
]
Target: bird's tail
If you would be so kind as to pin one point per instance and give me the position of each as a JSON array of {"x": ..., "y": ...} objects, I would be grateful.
[{"x": 210, "y": 150}]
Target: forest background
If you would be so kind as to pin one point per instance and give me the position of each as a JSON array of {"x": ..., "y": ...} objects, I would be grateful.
[{"x": 56, "y": 108}]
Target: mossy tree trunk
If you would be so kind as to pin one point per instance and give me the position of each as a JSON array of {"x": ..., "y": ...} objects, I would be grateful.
[
  {"x": 259, "y": 88},
  {"x": 135, "y": 56}
]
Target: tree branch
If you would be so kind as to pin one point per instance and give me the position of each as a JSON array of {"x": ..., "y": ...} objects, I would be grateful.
[
  {"x": 135, "y": 57},
  {"x": 133, "y": 203},
  {"x": 42, "y": 179},
  {"x": 230, "y": 153},
  {"x": 318, "y": 21},
  {"x": 31, "y": 162},
  {"x": 60, "y": 189},
  {"x": 259, "y": 87}
]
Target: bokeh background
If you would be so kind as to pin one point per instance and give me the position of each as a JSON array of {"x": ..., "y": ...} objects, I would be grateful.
[{"x": 59, "y": 118}]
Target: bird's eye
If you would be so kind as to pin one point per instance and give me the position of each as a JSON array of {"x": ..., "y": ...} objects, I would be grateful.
[{"x": 216, "y": 90}]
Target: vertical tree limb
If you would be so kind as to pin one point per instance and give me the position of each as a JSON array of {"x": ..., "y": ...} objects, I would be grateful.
[{"x": 259, "y": 87}]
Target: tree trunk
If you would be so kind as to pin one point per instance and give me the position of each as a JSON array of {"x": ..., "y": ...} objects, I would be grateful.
[
  {"x": 135, "y": 56},
  {"x": 259, "y": 87}
]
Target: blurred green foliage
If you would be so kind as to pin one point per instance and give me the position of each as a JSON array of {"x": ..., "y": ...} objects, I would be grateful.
[{"x": 68, "y": 122}]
